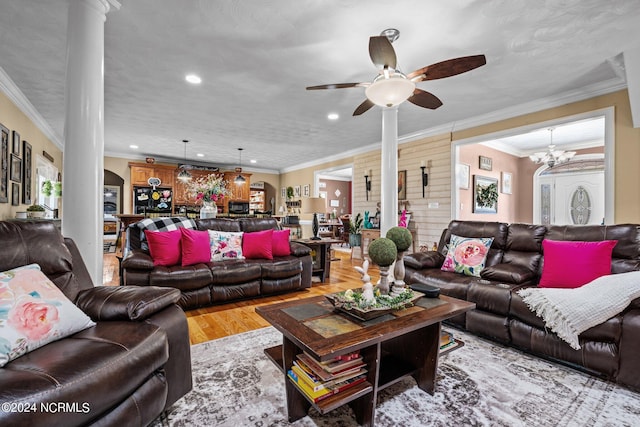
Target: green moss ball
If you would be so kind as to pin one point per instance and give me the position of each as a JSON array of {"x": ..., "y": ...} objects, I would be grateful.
[
  {"x": 383, "y": 251},
  {"x": 401, "y": 237}
]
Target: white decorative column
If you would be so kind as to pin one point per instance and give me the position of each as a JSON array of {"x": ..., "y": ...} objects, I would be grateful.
[
  {"x": 389, "y": 170},
  {"x": 83, "y": 165}
]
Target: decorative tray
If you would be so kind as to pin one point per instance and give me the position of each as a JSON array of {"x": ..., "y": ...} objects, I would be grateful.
[{"x": 349, "y": 305}]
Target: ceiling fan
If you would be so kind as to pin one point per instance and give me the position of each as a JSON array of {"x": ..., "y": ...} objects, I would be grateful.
[{"x": 392, "y": 87}]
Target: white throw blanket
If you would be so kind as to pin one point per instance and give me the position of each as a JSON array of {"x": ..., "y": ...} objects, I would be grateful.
[{"x": 569, "y": 312}]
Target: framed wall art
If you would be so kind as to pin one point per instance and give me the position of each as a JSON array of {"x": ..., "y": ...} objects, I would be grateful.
[
  {"x": 16, "y": 143},
  {"x": 485, "y": 194},
  {"x": 297, "y": 192},
  {"x": 507, "y": 179},
  {"x": 15, "y": 194},
  {"x": 462, "y": 175},
  {"x": 26, "y": 173},
  {"x": 306, "y": 190},
  {"x": 16, "y": 168},
  {"x": 402, "y": 185},
  {"x": 4, "y": 164},
  {"x": 485, "y": 163}
]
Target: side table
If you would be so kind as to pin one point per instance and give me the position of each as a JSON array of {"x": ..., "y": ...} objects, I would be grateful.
[{"x": 322, "y": 256}]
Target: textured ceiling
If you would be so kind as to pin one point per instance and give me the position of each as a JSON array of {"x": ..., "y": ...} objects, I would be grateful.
[{"x": 256, "y": 58}]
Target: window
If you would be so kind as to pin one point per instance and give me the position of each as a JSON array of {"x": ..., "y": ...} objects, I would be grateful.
[{"x": 45, "y": 170}]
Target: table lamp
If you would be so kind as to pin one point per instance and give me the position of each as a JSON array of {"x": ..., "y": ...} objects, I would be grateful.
[{"x": 314, "y": 205}]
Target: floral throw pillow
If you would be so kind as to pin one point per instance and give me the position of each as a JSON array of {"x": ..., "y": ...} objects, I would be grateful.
[
  {"x": 225, "y": 245},
  {"x": 467, "y": 255},
  {"x": 34, "y": 312}
]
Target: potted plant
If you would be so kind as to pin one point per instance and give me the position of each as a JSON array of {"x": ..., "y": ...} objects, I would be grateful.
[
  {"x": 355, "y": 226},
  {"x": 47, "y": 188},
  {"x": 289, "y": 193},
  {"x": 35, "y": 211}
]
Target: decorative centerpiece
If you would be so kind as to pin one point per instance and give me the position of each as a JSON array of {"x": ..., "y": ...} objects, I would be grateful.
[
  {"x": 401, "y": 237},
  {"x": 383, "y": 252},
  {"x": 208, "y": 189},
  {"x": 369, "y": 302}
]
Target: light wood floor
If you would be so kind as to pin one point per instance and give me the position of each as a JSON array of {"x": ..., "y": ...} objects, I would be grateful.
[{"x": 221, "y": 320}]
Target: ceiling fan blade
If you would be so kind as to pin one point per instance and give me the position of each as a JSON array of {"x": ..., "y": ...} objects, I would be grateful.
[
  {"x": 365, "y": 106},
  {"x": 334, "y": 86},
  {"x": 448, "y": 68},
  {"x": 381, "y": 52},
  {"x": 424, "y": 99}
]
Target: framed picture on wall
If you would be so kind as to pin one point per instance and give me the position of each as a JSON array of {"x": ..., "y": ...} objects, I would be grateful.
[
  {"x": 462, "y": 175},
  {"x": 297, "y": 192},
  {"x": 15, "y": 194},
  {"x": 306, "y": 190},
  {"x": 283, "y": 192},
  {"x": 16, "y": 143},
  {"x": 485, "y": 163},
  {"x": 507, "y": 178},
  {"x": 26, "y": 173},
  {"x": 485, "y": 194},
  {"x": 4, "y": 164},
  {"x": 402, "y": 185},
  {"x": 16, "y": 168}
]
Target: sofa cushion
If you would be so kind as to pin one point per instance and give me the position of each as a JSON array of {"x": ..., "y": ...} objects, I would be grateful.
[
  {"x": 281, "y": 268},
  {"x": 258, "y": 245},
  {"x": 420, "y": 260},
  {"x": 234, "y": 272},
  {"x": 509, "y": 273},
  {"x": 34, "y": 312},
  {"x": 467, "y": 255},
  {"x": 571, "y": 264},
  {"x": 164, "y": 246},
  {"x": 196, "y": 247},
  {"x": 280, "y": 242},
  {"x": 225, "y": 245},
  {"x": 182, "y": 278}
]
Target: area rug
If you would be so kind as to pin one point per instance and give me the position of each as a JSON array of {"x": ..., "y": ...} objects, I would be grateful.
[{"x": 480, "y": 384}]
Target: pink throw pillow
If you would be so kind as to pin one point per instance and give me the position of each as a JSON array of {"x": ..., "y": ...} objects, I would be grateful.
[
  {"x": 164, "y": 246},
  {"x": 258, "y": 245},
  {"x": 281, "y": 242},
  {"x": 195, "y": 247},
  {"x": 571, "y": 264}
]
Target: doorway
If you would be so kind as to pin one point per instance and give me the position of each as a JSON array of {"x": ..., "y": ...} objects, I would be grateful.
[
  {"x": 526, "y": 195},
  {"x": 572, "y": 194}
]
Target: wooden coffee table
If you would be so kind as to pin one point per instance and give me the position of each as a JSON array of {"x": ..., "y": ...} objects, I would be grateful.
[{"x": 396, "y": 345}]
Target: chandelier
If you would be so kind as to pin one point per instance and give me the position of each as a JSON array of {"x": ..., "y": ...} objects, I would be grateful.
[
  {"x": 552, "y": 157},
  {"x": 184, "y": 175}
]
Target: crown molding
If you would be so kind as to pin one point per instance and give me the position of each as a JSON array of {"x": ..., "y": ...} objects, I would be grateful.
[{"x": 11, "y": 90}]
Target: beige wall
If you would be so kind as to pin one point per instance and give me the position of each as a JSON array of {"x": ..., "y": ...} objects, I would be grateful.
[{"x": 14, "y": 119}]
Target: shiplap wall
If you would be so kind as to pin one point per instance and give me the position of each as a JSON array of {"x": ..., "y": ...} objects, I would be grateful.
[{"x": 436, "y": 153}]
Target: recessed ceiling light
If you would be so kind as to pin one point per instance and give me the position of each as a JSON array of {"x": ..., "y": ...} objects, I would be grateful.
[
  {"x": 200, "y": 155},
  {"x": 133, "y": 146},
  {"x": 333, "y": 116},
  {"x": 253, "y": 161},
  {"x": 193, "y": 79}
]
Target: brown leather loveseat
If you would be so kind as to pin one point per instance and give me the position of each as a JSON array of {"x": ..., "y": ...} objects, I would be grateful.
[
  {"x": 515, "y": 261},
  {"x": 217, "y": 282},
  {"x": 126, "y": 370}
]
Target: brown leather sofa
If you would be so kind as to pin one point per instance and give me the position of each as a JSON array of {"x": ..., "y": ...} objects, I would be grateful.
[
  {"x": 219, "y": 282},
  {"x": 126, "y": 370},
  {"x": 610, "y": 350}
]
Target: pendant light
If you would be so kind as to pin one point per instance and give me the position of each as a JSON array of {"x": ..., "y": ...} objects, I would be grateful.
[
  {"x": 240, "y": 179},
  {"x": 184, "y": 175}
]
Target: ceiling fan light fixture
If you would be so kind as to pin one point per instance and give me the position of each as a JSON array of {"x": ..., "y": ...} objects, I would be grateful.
[{"x": 391, "y": 91}]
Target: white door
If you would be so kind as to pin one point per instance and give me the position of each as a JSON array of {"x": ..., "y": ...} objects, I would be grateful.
[{"x": 574, "y": 199}]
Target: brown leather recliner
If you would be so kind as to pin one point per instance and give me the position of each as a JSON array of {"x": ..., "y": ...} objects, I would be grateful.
[{"x": 126, "y": 370}]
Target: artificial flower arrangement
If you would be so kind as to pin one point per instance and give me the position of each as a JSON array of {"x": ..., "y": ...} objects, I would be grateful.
[{"x": 210, "y": 188}]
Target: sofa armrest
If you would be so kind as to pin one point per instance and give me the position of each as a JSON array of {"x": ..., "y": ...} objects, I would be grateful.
[
  {"x": 508, "y": 273},
  {"x": 420, "y": 260},
  {"x": 137, "y": 259},
  {"x": 298, "y": 249},
  {"x": 125, "y": 302}
]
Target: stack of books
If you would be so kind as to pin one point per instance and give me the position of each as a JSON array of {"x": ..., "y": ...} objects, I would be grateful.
[
  {"x": 319, "y": 380},
  {"x": 447, "y": 341}
]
